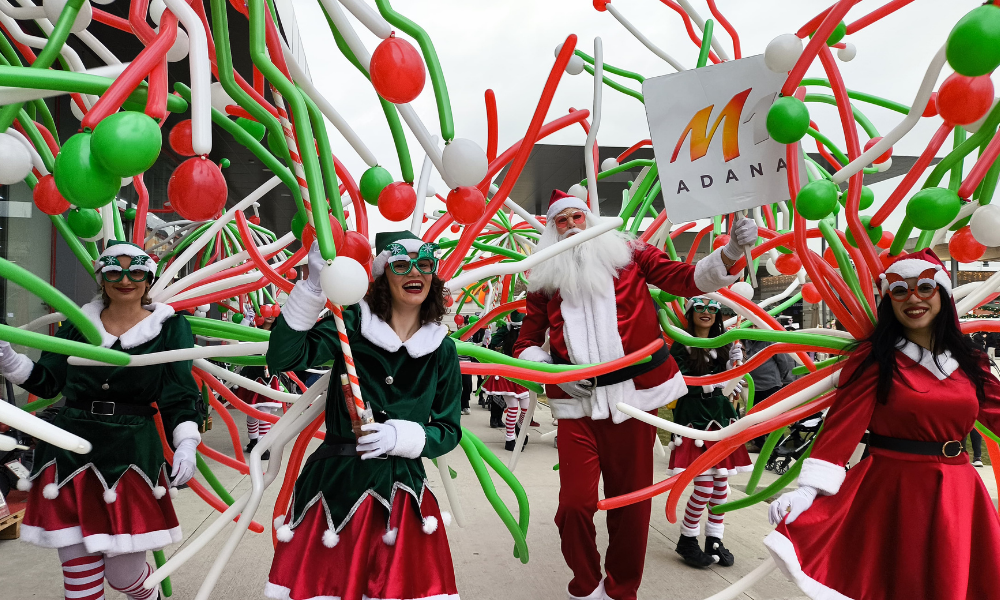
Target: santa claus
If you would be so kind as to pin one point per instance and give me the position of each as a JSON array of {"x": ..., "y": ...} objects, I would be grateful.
[{"x": 594, "y": 303}]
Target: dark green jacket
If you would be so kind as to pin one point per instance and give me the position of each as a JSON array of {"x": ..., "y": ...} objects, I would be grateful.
[{"x": 697, "y": 408}]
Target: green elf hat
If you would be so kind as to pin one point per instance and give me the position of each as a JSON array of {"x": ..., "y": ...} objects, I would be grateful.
[
  {"x": 108, "y": 260},
  {"x": 392, "y": 244},
  {"x": 516, "y": 318}
]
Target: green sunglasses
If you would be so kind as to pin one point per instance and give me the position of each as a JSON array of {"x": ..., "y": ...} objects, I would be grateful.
[
  {"x": 700, "y": 305},
  {"x": 403, "y": 266}
]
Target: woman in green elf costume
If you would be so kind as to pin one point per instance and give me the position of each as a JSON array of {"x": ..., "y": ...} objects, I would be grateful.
[
  {"x": 105, "y": 509},
  {"x": 363, "y": 522}
]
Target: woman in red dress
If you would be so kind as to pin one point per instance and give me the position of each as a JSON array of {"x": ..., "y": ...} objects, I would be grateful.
[{"x": 913, "y": 519}]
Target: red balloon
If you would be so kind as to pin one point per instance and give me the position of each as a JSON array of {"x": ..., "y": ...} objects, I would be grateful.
[
  {"x": 459, "y": 321},
  {"x": 357, "y": 247},
  {"x": 886, "y": 240},
  {"x": 810, "y": 294},
  {"x": 448, "y": 300},
  {"x": 265, "y": 310},
  {"x": 962, "y": 100},
  {"x": 255, "y": 220},
  {"x": 601, "y": 5},
  {"x": 964, "y": 248},
  {"x": 466, "y": 204},
  {"x": 831, "y": 258},
  {"x": 880, "y": 159},
  {"x": 309, "y": 234},
  {"x": 47, "y": 197},
  {"x": 887, "y": 258},
  {"x": 397, "y": 201},
  {"x": 180, "y": 138},
  {"x": 425, "y": 219},
  {"x": 720, "y": 241},
  {"x": 291, "y": 274},
  {"x": 258, "y": 321},
  {"x": 397, "y": 70},
  {"x": 347, "y": 214},
  {"x": 788, "y": 264},
  {"x": 197, "y": 190},
  {"x": 275, "y": 310},
  {"x": 931, "y": 109},
  {"x": 455, "y": 228}
]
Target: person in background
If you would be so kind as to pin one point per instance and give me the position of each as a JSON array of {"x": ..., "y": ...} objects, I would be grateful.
[
  {"x": 258, "y": 428},
  {"x": 772, "y": 375}
]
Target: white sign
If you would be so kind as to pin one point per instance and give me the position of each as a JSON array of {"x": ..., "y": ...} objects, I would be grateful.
[{"x": 710, "y": 138}]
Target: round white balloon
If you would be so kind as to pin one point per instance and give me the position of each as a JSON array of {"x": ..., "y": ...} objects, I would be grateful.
[
  {"x": 743, "y": 289},
  {"x": 430, "y": 191},
  {"x": 465, "y": 162},
  {"x": 577, "y": 190},
  {"x": 179, "y": 50},
  {"x": 782, "y": 53},
  {"x": 575, "y": 65},
  {"x": 771, "y": 269},
  {"x": 344, "y": 281},
  {"x": 53, "y": 8},
  {"x": 126, "y": 181},
  {"x": 974, "y": 126},
  {"x": 220, "y": 99},
  {"x": 985, "y": 225},
  {"x": 884, "y": 166},
  {"x": 156, "y": 8},
  {"x": 609, "y": 163},
  {"x": 15, "y": 160},
  {"x": 204, "y": 307},
  {"x": 848, "y": 52}
]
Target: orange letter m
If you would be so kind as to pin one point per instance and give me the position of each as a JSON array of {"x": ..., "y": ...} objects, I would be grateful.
[{"x": 701, "y": 137}]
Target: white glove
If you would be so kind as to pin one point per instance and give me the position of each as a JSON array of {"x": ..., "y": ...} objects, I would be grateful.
[
  {"x": 791, "y": 504},
  {"x": 379, "y": 442},
  {"x": 583, "y": 388},
  {"x": 735, "y": 354},
  {"x": 743, "y": 233},
  {"x": 316, "y": 264},
  {"x": 184, "y": 462}
]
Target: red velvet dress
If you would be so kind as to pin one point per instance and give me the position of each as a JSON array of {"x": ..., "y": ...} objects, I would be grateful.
[
  {"x": 898, "y": 526},
  {"x": 501, "y": 386}
]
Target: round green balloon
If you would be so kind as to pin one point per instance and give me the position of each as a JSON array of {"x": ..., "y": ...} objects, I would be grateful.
[
  {"x": 80, "y": 178},
  {"x": 130, "y": 214},
  {"x": 973, "y": 47},
  {"x": 257, "y": 130},
  {"x": 237, "y": 318},
  {"x": 874, "y": 233},
  {"x": 126, "y": 143},
  {"x": 373, "y": 181},
  {"x": 817, "y": 199},
  {"x": 85, "y": 222},
  {"x": 298, "y": 224},
  {"x": 788, "y": 120},
  {"x": 867, "y": 198},
  {"x": 933, "y": 208},
  {"x": 836, "y": 35}
]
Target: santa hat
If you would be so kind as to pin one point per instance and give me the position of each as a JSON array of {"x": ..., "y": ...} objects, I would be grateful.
[
  {"x": 913, "y": 265},
  {"x": 560, "y": 201}
]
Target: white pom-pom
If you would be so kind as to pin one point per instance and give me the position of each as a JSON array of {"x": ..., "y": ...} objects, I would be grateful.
[
  {"x": 671, "y": 446},
  {"x": 24, "y": 484},
  {"x": 678, "y": 440},
  {"x": 279, "y": 521},
  {"x": 390, "y": 537},
  {"x": 173, "y": 492},
  {"x": 285, "y": 533},
  {"x": 430, "y": 525},
  {"x": 159, "y": 492},
  {"x": 50, "y": 491},
  {"x": 110, "y": 496},
  {"x": 446, "y": 518},
  {"x": 699, "y": 443},
  {"x": 330, "y": 538}
]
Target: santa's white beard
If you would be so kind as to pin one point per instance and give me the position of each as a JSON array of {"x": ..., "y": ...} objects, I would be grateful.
[{"x": 583, "y": 269}]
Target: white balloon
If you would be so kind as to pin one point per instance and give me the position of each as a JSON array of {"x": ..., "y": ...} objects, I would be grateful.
[
  {"x": 220, "y": 99},
  {"x": 204, "y": 307},
  {"x": 465, "y": 162},
  {"x": 771, "y": 269},
  {"x": 985, "y": 225},
  {"x": 577, "y": 190},
  {"x": 609, "y": 163},
  {"x": 200, "y": 313},
  {"x": 156, "y": 8},
  {"x": 15, "y": 160},
  {"x": 782, "y": 53},
  {"x": 99, "y": 236},
  {"x": 102, "y": 2},
  {"x": 430, "y": 191},
  {"x": 73, "y": 108},
  {"x": 884, "y": 166},
  {"x": 179, "y": 50},
  {"x": 743, "y": 289},
  {"x": 974, "y": 127},
  {"x": 557, "y": 50},
  {"x": 575, "y": 65},
  {"x": 53, "y": 8},
  {"x": 126, "y": 181},
  {"x": 344, "y": 281},
  {"x": 848, "y": 52}
]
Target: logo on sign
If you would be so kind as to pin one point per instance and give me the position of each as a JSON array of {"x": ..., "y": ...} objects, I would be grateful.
[{"x": 701, "y": 137}]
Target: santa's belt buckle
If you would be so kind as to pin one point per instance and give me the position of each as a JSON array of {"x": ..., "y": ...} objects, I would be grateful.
[
  {"x": 957, "y": 448},
  {"x": 106, "y": 409}
]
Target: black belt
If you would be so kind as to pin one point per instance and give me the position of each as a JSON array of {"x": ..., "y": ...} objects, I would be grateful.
[
  {"x": 625, "y": 373},
  {"x": 107, "y": 409},
  {"x": 950, "y": 449},
  {"x": 328, "y": 450}
]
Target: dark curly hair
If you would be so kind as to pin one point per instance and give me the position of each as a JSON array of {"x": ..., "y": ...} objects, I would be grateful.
[{"x": 379, "y": 300}]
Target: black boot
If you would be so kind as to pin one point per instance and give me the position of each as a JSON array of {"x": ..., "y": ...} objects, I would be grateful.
[
  {"x": 715, "y": 549},
  {"x": 689, "y": 550},
  {"x": 250, "y": 445},
  {"x": 266, "y": 455},
  {"x": 509, "y": 444}
]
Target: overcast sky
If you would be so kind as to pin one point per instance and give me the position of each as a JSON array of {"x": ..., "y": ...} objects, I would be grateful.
[{"x": 508, "y": 47}]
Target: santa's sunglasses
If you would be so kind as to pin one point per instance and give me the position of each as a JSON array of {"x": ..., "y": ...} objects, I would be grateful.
[{"x": 577, "y": 218}]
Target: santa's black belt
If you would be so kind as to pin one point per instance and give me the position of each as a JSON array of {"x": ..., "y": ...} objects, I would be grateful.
[
  {"x": 107, "y": 409},
  {"x": 625, "y": 373},
  {"x": 947, "y": 449}
]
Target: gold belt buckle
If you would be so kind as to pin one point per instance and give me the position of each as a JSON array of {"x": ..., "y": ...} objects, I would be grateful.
[{"x": 958, "y": 451}]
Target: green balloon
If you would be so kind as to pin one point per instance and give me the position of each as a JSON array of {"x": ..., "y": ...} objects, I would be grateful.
[
  {"x": 961, "y": 223},
  {"x": 126, "y": 143},
  {"x": 254, "y": 128},
  {"x": 373, "y": 181},
  {"x": 973, "y": 47},
  {"x": 298, "y": 224},
  {"x": 237, "y": 318},
  {"x": 933, "y": 208},
  {"x": 130, "y": 214},
  {"x": 788, "y": 120},
  {"x": 867, "y": 198},
  {"x": 817, "y": 199},
  {"x": 276, "y": 144},
  {"x": 85, "y": 222},
  {"x": 80, "y": 178},
  {"x": 874, "y": 233},
  {"x": 836, "y": 35}
]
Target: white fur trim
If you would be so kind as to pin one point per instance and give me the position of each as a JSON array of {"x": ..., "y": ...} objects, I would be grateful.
[
  {"x": 912, "y": 267},
  {"x": 430, "y": 525},
  {"x": 186, "y": 430},
  {"x": 110, "y": 495},
  {"x": 382, "y": 259},
  {"x": 562, "y": 204},
  {"x": 535, "y": 354},
  {"x": 20, "y": 368},
  {"x": 23, "y": 484},
  {"x": 410, "y": 438},
  {"x": 139, "y": 334},
  {"x": 651, "y": 398},
  {"x": 280, "y": 592},
  {"x": 50, "y": 491},
  {"x": 123, "y": 250},
  {"x": 690, "y": 531},
  {"x": 103, "y": 543},
  {"x": 715, "y": 530},
  {"x": 783, "y": 552},
  {"x": 303, "y": 307},
  {"x": 159, "y": 492},
  {"x": 446, "y": 518},
  {"x": 173, "y": 492},
  {"x": 925, "y": 359},
  {"x": 389, "y": 539},
  {"x": 426, "y": 340},
  {"x": 285, "y": 533},
  {"x": 710, "y": 273},
  {"x": 330, "y": 538},
  {"x": 597, "y": 594},
  {"x": 825, "y": 476}
]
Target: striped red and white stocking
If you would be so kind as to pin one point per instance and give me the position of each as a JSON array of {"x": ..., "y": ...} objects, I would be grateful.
[
  {"x": 703, "y": 488},
  {"x": 720, "y": 493},
  {"x": 83, "y": 574}
]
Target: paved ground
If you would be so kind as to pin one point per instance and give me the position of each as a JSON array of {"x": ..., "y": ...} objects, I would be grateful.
[{"x": 485, "y": 567}]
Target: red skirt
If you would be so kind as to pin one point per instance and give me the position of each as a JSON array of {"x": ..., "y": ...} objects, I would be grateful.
[
  {"x": 363, "y": 561},
  {"x": 134, "y": 521},
  {"x": 686, "y": 452},
  {"x": 902, "y": 527}
]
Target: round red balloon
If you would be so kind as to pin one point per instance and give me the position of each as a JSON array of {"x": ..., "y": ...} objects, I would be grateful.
[
  {"x": 466, "y": 204},
  {"x": 931, "y": 109},
  {"x": 309, "y": 235},
  {"x": 357, "y": 247},
  {"x": 788, "y": 264},
  {"x": 180, "y": 138},
  {"x": 197, "y": 190},
  {"x": 887, "y": 258},
  {"x": 397, "y": 70},
  {"x": 47, "y": 198},
  {"x": 255, "y": 220},
  {"x": 455, "y": 228},
  {"x": 459, "y": 320},
  {"x": 962, "y": 100},
  {"x": 720, "y": 241},
  {"x": 880, "y": 159},
  {"x": 397, "y": 201},
  {"x": 810, "y": 294},
  {"x": 265, "y": 310},
  {"x": 886, "y": 240},
  {"x": 964, "y": 248},
  {"x": 830, "y": 258},
  {"x": 291, "y": 274}
]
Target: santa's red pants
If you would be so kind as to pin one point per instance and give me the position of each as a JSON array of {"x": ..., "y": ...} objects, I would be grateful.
[{"x": 624, "y": 454}]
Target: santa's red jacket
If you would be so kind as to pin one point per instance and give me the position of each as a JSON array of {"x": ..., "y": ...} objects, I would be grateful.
[{"x": 612, "y": 323}]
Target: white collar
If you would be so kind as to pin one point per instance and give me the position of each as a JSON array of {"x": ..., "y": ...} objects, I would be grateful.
[
  {"x": 427, "y": 339},
  {"x": 140, "y": 333},
  {"x": 925, "y": 359}
]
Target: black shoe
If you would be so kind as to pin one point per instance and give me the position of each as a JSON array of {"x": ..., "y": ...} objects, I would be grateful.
[
  {"x": 509, "y": 444},
  {"x": 250, "y": 445},
  {"x": 692, "y": 554},
  {"x": 266, "y": 455},
  {"x": 714, "y": 548}
]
